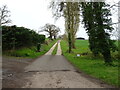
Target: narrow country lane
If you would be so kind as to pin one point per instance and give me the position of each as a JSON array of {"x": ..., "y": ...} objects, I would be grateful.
[
  {"x": 59, "y": 52},
  {"x": 54, "y": 71},
  {"x": 51, "y": 50}
]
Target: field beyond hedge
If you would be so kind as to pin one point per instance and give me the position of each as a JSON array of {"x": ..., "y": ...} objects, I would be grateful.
[{"x": 93, "y": 66}]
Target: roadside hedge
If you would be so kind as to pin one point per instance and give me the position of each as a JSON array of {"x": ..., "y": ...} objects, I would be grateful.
[{"x": 14, "y": 37}]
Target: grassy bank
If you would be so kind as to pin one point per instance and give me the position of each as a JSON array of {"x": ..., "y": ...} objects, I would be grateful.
[
  {"x": 29, "y": 52},
  {"x": 91, "y": 65},
  {"x": 55, "y": 50}
]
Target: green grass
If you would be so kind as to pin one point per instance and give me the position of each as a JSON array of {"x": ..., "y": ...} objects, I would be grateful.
[
  {"x": 46, "y": 38},
  {"x": 94, "y": 66},
  {"x": 29, "y": 52},
  {"x": 55, "y": 50}
]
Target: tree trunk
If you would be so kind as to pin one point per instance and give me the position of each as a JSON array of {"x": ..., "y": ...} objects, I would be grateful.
[
  {"x": 107, "y": 57},
  {"x": 54, "y": 37},
  {"x": 0, "y": 23},
  {"x": 73, "y": 43},
  {"x": 69, "y": 33},
  {"x": 51, "y": 36},
  {"x": 70, "y": 43}
]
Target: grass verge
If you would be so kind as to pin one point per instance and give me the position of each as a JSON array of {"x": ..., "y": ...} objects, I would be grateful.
[
  {"x": 29, "y": 52},
  {"x": 93, "y": 66},
  {"x": 55, "y": 50}
]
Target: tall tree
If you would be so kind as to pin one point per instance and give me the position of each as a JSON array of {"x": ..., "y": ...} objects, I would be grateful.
[
  {"x": 4, "y": 15},
  {"x": 89, "y": 23},
  {"x": 98, "y": 26},
  {"x": 70, "y": 11},
  {"x": 4, "y": 19},
  {"x": 75, "y": 21},
  {"x": 51, "y": 29},
  {"x": 72, "y": 19},
  {"x": 55, "y": 32}
]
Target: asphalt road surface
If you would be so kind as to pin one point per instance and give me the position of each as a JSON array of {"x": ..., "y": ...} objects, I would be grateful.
[
  {"x": 53, "y": 71},
  {"x": 49, "y": 63}
]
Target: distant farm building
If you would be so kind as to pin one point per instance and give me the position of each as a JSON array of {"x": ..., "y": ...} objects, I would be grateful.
[{"x": 80, "y": 38}]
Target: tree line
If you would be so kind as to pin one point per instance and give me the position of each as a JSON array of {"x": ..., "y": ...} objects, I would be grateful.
[{"x": 14, "y": 37}]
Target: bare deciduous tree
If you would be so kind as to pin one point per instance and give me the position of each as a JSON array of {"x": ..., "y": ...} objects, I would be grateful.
[
  {"x": 4, "y": 15},
  {"x": 51, "y": 29}
]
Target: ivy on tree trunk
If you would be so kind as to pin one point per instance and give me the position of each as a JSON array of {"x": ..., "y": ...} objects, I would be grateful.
[{"x": 98, "y": 26}]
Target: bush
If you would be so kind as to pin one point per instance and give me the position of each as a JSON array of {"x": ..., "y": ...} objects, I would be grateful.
[{"x": 14, "y": 37}]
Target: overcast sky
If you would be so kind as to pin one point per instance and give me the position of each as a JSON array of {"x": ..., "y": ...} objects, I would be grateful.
[{"x": 34, "y": 14}]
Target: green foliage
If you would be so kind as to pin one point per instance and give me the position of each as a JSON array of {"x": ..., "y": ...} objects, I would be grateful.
[
  {"x": 55, "y": 50},
  {"x": 119, "y": 49},
  {"x": 29, "y": 52},
  {"x": 93, "y": 66},
  {"x": 38, "y": 47},
  {"x": 14, "y": 37},
  {"x": 98, "y": 26}
]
